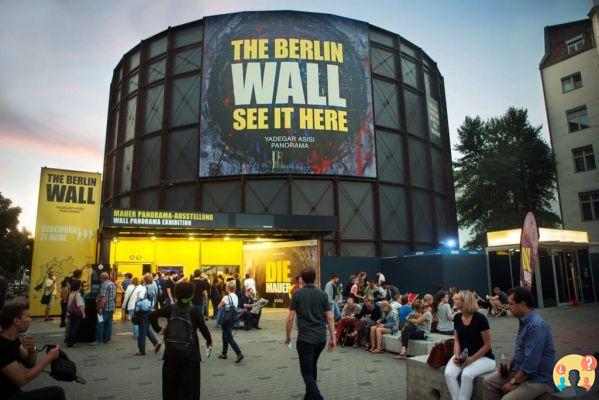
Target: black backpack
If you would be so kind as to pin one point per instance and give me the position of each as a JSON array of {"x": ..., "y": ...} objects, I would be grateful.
[
  {"x": 63, "y": 368},
  {"x": 178, "y": 339}
]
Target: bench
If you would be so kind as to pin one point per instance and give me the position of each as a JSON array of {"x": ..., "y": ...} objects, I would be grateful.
[
  {"x": 424, "y": 382},
  {"x": 392, "y": 344}
]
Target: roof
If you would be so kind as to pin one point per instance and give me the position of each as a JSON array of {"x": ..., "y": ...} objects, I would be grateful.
[{"x": 557, "y": 35}]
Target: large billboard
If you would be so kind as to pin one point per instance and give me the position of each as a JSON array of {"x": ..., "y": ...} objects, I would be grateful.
[
  {"x": 66, "y": 228},
  {"x": 274, "y": 266},
  {"x": 286, "y": 92}
]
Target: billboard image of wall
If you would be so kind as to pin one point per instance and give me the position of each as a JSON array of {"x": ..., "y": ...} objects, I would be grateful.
[
  {"x": 275, "y": 265},
  {"x": 65, "y": 232},
  {"x": 286, "y": 92}
]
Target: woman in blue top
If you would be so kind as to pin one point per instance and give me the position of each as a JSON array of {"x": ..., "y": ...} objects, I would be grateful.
[{"x": 389, "y": 323}]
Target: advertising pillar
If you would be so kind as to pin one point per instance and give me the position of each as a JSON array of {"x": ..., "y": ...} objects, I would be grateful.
[{"x": 65, "y": 232}]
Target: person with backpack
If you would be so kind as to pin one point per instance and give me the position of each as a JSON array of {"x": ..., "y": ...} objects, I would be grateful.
[
  {"x": 228, "y": 306},
  {"x": 181, "y": 366},
  {"x": 76, "y": 312},
  {"x": 145, "y": 302}
]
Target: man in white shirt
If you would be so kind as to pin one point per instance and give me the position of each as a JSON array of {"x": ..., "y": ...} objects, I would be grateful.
[
  {"x": 249, "y": 283},
  {"x": 380, "y": 276}
]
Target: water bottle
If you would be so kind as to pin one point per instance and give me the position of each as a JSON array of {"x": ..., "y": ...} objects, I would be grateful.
[
  {"x": 503, "y": 366},
  {"x": 464, "y": 355},
  {"x": 208, "y": 351}
]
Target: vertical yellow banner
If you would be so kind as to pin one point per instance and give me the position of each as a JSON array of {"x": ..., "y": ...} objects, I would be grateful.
[{"x": 68, "y": 214}]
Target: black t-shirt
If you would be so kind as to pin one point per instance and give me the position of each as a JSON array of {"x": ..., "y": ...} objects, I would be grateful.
[
  {"x": 375, "y": 313},
  {"x": 502, "y": 298},
  {"x": 198, "y": 297},
  {"x": 169, "y": 284},
  {"x": 9, "y": 353},
  {"x": 470, "y": 336},
  {"x": 310, "y": 303}
]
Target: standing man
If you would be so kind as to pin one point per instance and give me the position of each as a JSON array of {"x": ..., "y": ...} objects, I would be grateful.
[
  {"x": 200, "y": 291},
  {"x": 381, "y": 277},
  {"x": 331, "y": 290},
  {"x": 530, "y": 371},
  {"x": 169, "y": 285},
  {"x": 126, "y": 281},
  {"x": 249, "y": 283},
  {"x": 106, "y": 305},
  {"x": 50, "y": 289},
  {"x": 311, "y": 305}
]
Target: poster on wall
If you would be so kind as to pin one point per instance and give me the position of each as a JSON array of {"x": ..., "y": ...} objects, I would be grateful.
[
  {"x": 286, "y": 92},
  {"x": 66, "y": 227},
  {"x": 529, "y": 245},
  {"x": 274, "y": 266}
]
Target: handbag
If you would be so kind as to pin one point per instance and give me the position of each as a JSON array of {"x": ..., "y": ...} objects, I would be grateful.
[
  {"x": 229, "y": 314},
  {"x": 440, "y": 354},
  {"x": 72, "y": 309},
  {"x": 46, "y": 299}
]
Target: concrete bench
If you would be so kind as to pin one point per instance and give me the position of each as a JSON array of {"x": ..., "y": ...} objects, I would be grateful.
[
  {"x": 424, "y": 382},
  {"x": 392, "y": 343}
]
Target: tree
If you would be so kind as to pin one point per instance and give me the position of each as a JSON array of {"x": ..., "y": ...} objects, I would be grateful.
[
  {"x": 506, "y": 170},
  {"x": 15, "y": 246}
]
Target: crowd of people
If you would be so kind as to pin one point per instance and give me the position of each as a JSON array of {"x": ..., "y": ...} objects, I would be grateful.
[{"x": 358, "y": 315}]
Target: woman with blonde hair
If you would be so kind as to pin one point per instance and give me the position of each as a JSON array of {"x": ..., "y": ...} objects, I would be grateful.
[
  {"x": 472, "y": 347},
  {"x": 229, "y": 300},
  {"x": 417, "y": 327}
]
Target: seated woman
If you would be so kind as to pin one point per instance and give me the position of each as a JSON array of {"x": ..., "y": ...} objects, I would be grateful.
[
  {"x": 442, "y": 310},
  {"x": 417, "y": 326},
  {"x": 388, "y": 323},
  {"x": 473, "y": 334}
]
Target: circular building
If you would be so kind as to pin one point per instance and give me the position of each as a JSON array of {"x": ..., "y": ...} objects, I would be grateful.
[{"x": 278, "y": 125}]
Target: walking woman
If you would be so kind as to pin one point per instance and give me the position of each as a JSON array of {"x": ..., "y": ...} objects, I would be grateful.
[
  {"x": 145, "y": 297},
  {"x": 229, "y": 300},
  {"x": 129, "y": 304},
  {"x": 76, "y": 312},
  {"x": 473, "y": 335},
  {"x": 181, "y": 366}
]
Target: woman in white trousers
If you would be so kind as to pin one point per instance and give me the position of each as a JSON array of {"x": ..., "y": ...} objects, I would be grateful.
[{"x": 472, "y": 347}]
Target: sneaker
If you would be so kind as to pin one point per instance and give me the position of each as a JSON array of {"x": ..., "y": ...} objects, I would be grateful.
[
  {"x": 139, "y": 354},
  {"x": 95, "y": 343}
]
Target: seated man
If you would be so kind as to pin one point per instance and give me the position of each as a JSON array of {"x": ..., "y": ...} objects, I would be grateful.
[
  {"x": 498, "y": 301},
  {"x": 404, "y": 310},
  {"x": 390, "y": 291},
  {"x": 18, "y": 356},
  {"x": 348, "y": 317},
  {"x": 530, "y": 372},
  {"x": 246, "y": 303},
  {"x": 366, "y": 318}
]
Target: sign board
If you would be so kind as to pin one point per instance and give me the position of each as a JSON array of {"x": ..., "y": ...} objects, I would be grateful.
[{"x": 286, "y": 92}]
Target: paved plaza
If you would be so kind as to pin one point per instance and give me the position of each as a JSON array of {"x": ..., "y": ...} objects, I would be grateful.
[{"x": 270, "y": 370}]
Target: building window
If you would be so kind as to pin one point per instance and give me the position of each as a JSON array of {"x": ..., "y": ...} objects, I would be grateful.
[
  {"x": 571, "y": 82},
  {"x": 584, "y": 159},
  {"x": 575, "y": 44},
  {"x": 589, "y": 204},
  {"x": 577, "y": 119}
]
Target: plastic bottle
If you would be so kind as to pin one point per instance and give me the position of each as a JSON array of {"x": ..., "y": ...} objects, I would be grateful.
[
  {"x": 464, "y": 355},
  {"x": 503, "y": 366}
]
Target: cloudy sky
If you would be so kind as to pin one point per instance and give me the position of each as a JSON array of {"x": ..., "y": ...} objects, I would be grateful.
[{"x": 57, "y": 57}]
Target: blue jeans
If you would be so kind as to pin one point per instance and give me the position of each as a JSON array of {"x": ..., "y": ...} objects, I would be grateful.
[
  {"x": 135, "y": 327},
  {"x": 308, "y": 358},
  {"x": 335, "y": 310},
  {"x": 104, "y": 328},
  {"x": 228, "y": 339},
  {"x": 145, "y": 330}
]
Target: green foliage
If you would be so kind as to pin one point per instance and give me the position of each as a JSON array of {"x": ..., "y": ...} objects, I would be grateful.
[
  {"x": 505, "y": 171},
  {"x": 15, "y": 246}
]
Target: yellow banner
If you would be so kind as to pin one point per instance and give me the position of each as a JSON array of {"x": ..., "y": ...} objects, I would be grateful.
[{"x": 68, "y": 213}]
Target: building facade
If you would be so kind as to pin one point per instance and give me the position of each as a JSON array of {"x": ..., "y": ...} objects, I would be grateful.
[
  {"x": 186, "y": 132},
  {"x": 570, "y": 78}
]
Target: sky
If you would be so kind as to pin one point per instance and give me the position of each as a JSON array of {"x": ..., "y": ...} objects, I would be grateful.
[{"x": 57, "y": 58}]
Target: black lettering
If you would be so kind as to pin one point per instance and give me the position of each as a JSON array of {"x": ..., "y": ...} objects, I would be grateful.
[{"x": 55, "y": 192}]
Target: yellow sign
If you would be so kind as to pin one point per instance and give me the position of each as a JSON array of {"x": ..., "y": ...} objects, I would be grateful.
[{"x": 68, "y": 212}]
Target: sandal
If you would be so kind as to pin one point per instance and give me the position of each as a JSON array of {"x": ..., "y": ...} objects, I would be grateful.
[
  {"x": 401, "y": 356},
  {"x": 376, "y": 351}
]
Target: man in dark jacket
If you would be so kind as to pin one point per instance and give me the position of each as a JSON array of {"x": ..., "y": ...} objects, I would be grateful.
[{"x": 364, "y": 320}]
